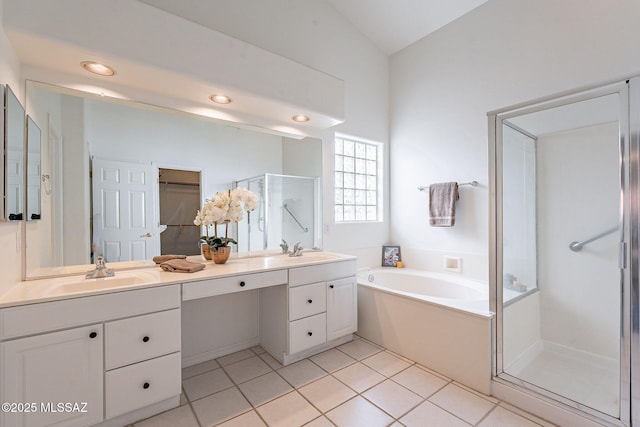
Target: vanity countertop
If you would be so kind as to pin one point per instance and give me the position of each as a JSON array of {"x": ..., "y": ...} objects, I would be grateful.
[{"x": 60, "y": 288}]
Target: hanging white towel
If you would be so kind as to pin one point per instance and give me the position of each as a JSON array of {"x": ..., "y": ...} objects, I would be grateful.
[{"x": 442, "y": 204}]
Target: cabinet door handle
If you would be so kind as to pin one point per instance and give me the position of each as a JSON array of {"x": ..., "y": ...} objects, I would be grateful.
[
  {"x": 309, "y": 300},
  {"x": 242, "y": 284},
  {"x": 309, "y": 333},
  {"x": 146, "y": 386},
  {"x": 145, "y": 339},
  {"x": 93, "y": 334},
  {"x": 331, "y": 286}
]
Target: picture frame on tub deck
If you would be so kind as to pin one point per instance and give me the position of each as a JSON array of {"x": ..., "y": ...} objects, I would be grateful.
[{"x": 390, "y": 256}]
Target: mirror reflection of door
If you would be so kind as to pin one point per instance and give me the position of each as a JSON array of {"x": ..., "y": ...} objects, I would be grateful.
[
  {"x": 34, "y": 172},
  {"x": 179, "y": 197},
  {"x": 124, "y": 226}
]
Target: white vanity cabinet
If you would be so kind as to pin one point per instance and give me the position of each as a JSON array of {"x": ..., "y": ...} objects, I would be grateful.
[
  {"x": 81, "y": 361},
  {"x": 342, "y": 307},
  {"x": 317, "y": 310},
  {"x": 142, "y": 359},
  {"x": 52, "y": 369}
]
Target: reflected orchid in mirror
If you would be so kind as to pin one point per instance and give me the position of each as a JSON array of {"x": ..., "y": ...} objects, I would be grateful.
[{"x": 223, "y": 208}]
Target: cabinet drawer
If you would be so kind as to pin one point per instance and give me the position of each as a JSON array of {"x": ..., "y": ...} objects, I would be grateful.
[
  {"x": 307, "y": 300},
  {"x": 308, "y": 332},
  {"x": 142, "y": 384},
  {"x": 26, "y": 320},
  {"x": 322, "y": 272},
  {"x": 140, "y": 338},
  {"x": 225, "y": 285}
]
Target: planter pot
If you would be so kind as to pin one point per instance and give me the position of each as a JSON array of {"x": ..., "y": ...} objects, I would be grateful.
[
  {"x": 205, "y": 250},
  {"x": 221, "y": 254}
]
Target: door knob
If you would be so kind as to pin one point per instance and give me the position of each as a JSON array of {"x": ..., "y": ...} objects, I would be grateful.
[{"x": 146, "y": 235}]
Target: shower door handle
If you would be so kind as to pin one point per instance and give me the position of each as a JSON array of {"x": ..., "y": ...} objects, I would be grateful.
[{"x": 622, "y": 255}]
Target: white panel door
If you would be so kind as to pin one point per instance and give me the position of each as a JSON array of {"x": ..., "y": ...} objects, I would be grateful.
[{"x": 124, "y": 225}]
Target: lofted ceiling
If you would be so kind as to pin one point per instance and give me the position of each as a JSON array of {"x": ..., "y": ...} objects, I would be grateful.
[{"x": 393, "y": 25}]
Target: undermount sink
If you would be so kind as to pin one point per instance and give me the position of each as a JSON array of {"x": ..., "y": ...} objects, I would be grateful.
[{"x": 79, "y": 284}]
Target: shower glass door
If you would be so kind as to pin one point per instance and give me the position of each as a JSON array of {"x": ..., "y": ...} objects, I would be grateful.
[{"x": 560, "y": 215}]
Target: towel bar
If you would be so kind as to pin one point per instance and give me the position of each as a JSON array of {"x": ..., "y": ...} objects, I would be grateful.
[{"x": 471, "y": 183}]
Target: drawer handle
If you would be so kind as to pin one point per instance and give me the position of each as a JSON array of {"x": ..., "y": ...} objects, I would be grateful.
[
  {"x": 242, "y": 284},
  {"x": 145, "y": 339},
  {"x": 331, "y": 286},
  {"x": 309, "y": 333},
  {"x": 309, "y": 301},
  {"x": 146, "y": 386},
  {"x": 93, "y": 334}
]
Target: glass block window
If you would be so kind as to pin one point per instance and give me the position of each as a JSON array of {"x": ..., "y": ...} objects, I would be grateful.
[{"x": 357, "y": 190}]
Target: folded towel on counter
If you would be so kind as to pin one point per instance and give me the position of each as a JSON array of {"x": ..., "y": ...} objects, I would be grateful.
[
  {"x": 442, "y": 204},
  {"x": 181, "y": 266},
  {"x": 162, "y": 258}
]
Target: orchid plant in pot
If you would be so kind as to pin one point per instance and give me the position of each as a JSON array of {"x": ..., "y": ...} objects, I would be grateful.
[{"x": 223, "y": 208}]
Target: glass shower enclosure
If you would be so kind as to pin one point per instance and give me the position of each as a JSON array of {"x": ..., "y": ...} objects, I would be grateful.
[
  {"x": 288, "y": 209},
  {"x": 564, "y": 249}
]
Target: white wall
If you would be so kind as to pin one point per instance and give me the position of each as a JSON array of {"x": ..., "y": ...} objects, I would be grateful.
[
  {"x": 224, "y": 153},
  {"x": 501, "y": 53}
]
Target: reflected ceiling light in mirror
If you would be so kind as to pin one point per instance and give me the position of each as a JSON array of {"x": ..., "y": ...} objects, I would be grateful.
[
  {"x": 97, "y": 68},
  {"x": 99, "y": 91},
  {"x": 219, "y": 98},
  {"x": 300, "y": 118},
  {"x": 290, "y": 132},
  {"x": 214, "y": 114}
]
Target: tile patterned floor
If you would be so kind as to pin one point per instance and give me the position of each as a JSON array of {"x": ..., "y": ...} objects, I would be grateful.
[{"x": 355, "y": 384}]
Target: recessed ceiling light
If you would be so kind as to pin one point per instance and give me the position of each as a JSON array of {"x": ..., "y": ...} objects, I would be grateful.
[
  {"x": 220, "y": 99},
  {"x": 300, "y": 118},
  {"x": 97, "y": 68}
]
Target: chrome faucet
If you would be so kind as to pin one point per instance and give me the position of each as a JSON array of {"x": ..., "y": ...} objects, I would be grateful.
[
  {"x": 100, "y": 271},
  {"x": 297, "y": 250},
  {"x": 285, "y": 246}
]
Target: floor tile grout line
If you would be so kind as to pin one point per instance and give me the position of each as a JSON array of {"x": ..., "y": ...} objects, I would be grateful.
[
  {"x": 449, "y": 412},
  {"x": 493, "y": 401},
  {"x": 495, "y": 405},
  {"x": 422, "y": 400}
]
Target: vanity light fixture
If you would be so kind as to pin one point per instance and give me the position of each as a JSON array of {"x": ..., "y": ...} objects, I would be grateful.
[
  {"x": 97, "y": 68},
  {"x": 300, "y": 118},
  {"x": 220, "y": 99}
]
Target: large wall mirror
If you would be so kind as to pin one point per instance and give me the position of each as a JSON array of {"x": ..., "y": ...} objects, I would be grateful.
[
  {"x": 157, "y": 155},
  {"x": 14, "y": 158}
]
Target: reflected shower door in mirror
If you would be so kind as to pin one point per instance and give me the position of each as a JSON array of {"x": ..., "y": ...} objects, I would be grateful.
[
  {"x": 288, "y": 209},
  {"x": 14, "y": 158},
  {"x": 34, "y": 170},
  {"x": 560, "y": 173},
  {"x": 77, "y": 126}
]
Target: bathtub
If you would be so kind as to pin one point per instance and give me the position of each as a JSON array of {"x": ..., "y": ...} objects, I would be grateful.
[{"x": 439, "y": 320}]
